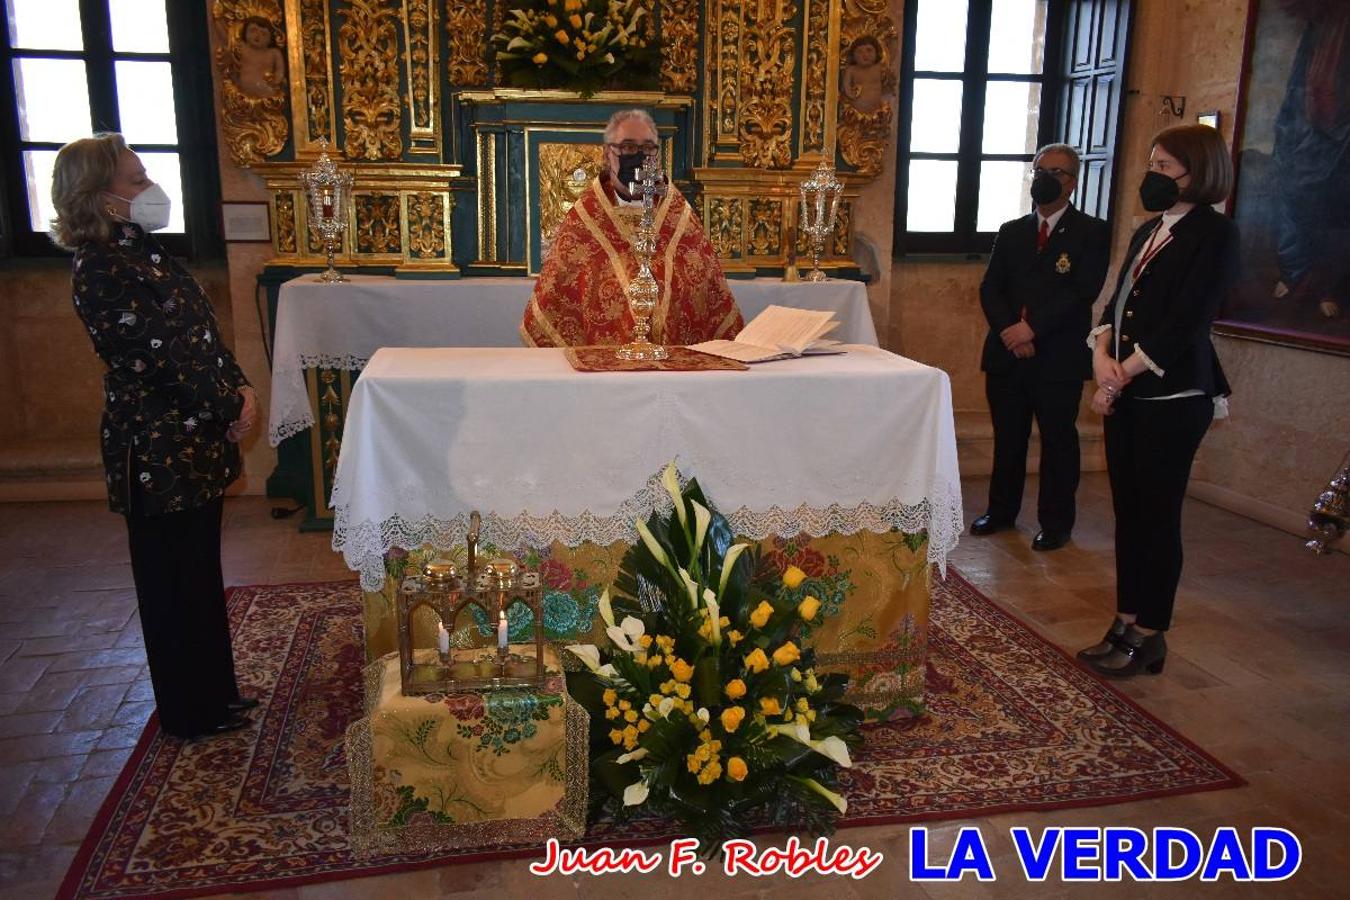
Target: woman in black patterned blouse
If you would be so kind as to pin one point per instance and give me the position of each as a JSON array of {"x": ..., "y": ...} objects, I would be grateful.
[{"x": 175, "y": 407}]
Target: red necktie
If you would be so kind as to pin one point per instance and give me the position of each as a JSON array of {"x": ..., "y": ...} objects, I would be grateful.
[{"x": 1043, "y": 236}]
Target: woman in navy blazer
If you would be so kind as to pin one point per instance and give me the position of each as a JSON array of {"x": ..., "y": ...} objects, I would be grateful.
[{"x": 1158, "y": 381}]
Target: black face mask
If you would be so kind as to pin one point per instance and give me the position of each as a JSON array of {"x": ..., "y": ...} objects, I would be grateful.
[
  {"x": 629, "y": 163},
  {"x": 1158, "y": 191},
  {"x": 1045, "y": 188}
]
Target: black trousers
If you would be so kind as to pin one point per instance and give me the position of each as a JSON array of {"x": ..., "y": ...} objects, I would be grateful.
[
  {"x": 1150, "y": 445},
  {"x": 1014, "y": 398},
  {"x": 175, "y": 560}
]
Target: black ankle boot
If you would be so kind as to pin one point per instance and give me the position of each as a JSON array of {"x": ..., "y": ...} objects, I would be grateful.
[
  {"x": 1134, "y": 651},
  {"x": 1108, "y": 643}
]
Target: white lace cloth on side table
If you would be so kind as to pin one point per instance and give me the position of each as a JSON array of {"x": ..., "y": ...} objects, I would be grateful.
[
  {"x": 340, "y": 326},
  {"x": 860, "y": 441}
]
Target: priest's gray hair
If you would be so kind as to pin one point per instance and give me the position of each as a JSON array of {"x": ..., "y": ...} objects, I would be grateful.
[
  {"x": 1066, "y": 149},
  {"x": 624, "y": 115}
]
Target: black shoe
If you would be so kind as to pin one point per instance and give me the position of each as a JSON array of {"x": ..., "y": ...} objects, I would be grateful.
[
  {"x": 1134, "y": 651},
  {"x": 233, "y": 723},
  {"x": 1049, "y": 540},
  {"x": 243, "y": 704},
  {"x": 1108, "y": 643},
  {"x": 988, "y": 524}
]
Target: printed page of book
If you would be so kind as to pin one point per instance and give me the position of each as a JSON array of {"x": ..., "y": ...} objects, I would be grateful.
[{"x": 787, "y": 330}]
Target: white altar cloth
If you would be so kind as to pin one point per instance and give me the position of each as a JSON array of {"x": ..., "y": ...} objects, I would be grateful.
[
  {"x": 341, "y": 326},
  {"x": 859, "y": 441}
]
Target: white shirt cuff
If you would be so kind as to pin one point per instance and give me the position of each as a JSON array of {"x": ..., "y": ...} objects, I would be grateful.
[
  {"x": 1092, "y": 335},
  {"x": 1152, "y": 366}
]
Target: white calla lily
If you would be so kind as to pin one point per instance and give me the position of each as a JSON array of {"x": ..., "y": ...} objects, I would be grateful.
[
  {"x": 831, "y": 747},
  {"x": 691, "y": 586},
  {"x": 607, "y": 671},
  {"x": 606, "y": 609},
  {"x": 839, "y": 802},
  {"x": 653, "y": 546},
  {"x": 666, "y": 705},
  {"x": 728, "y": 562},
  {"x": 671, "y": 480},
  {"x": 627, "y": 634},
  {"x": 636, "y": 793},
  {"x": 637, "y": 754},
  {"x": 703, "y": 715},
  {"x": 702, "y": 518},
  {"x": 714, "y": 616},
  {"x": 587, "y": 653}
]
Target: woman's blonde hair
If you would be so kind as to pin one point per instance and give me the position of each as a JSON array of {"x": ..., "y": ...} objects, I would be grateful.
[{"x": 84, "y": 169}]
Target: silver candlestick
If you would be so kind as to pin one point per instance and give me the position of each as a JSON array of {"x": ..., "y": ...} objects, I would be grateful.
[
  {"x": 330, "y": 197},
  {"x": 817, "y": 220},
  {"x": 643, "y": 291}
]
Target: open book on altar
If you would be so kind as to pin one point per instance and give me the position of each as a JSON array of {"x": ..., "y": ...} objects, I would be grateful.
[{"x": 779, "y": 332}]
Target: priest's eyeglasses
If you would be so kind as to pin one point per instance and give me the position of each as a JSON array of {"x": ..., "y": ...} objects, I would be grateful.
[{"x": 626, "y": 147}]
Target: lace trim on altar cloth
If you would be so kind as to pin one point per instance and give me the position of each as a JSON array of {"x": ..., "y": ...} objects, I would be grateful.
[
  {"x": 293, "y": 421},
  {"x": 364, "y": 544}
]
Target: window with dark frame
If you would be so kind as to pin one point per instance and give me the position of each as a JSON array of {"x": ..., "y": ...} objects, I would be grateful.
[
  {"x": 977, "y": 98},
  {"x": 71, "y": 68}
]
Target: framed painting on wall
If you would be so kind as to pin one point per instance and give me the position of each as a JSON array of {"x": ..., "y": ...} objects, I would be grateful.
[{"x": 1292, "y": 198}]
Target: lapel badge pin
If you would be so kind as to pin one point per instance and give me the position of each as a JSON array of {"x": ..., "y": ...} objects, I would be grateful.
[{"x": 1062, "y": 265}]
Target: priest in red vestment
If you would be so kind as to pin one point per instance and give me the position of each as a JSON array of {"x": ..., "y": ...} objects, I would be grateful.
[{"x": 580, "y": 298}]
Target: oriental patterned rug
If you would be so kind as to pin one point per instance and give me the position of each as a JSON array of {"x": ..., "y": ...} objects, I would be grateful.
[{"x": 1012, "y": 724}]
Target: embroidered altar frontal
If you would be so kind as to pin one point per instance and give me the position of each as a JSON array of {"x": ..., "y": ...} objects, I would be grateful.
[
  {"x": 873, "y": 589},
  {"x": 465, "y": 769}
]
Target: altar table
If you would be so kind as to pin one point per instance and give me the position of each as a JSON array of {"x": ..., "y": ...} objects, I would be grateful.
[
  {"x": 340, "y": 326},
  {"x": 846, "y": 463}
]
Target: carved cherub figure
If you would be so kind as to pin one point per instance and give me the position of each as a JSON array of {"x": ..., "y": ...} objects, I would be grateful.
[
  {"x": 863, "y": 75},
  {"x": 262, "y": 68}
]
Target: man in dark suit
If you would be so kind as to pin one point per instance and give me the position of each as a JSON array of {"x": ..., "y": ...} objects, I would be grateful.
[{"x": 1044, "y": 274}]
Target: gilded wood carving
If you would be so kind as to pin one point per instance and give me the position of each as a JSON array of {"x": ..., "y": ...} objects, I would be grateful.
[
  {"x": 726, "y": 225},
  {"x": 377, "y": 223},
  {"x": 283, "y": 202},
  {"x": 766, "y": 227},
  {"x": 466, "y": 38},
  {"x": 868, "y": 80},
  {"x": 679, "y": 50},
  {"x": 815, "y": 75},
  {"x": 250, "y": 36},
  {"x": 564, "y": 172},
  {"x": 371, "y": 108},
  {"x": 768, "y": 64},
  {"x": 423, "y": 78},
  {"x": 426, "y": 226},
  {"x": 318, "y": 88},
  {"x": 724, "y": 86}
]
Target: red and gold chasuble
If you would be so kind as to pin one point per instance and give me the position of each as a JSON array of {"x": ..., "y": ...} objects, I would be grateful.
[{"x": 580, "y": 298}]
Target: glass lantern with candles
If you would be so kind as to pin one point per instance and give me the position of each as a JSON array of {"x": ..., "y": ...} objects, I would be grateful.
[{"x": 436, "y": 598}]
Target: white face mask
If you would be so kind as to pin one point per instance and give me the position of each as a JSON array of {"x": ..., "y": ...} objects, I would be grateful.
[{"x": 149, "y": 208}]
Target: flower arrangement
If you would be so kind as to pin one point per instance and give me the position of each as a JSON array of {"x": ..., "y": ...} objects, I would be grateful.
[
  {"x": 705, "y": 703},
  {"x": 581, "y": 45}
]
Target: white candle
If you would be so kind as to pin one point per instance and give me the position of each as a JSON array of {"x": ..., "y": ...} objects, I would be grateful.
[
  {"x": 442, "y": 639},
  {"x": 501, "y": 630}
]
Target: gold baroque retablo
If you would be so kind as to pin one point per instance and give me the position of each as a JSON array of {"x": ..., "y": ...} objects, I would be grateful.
[
  {"x": 465, "y": 25},
  {"x": 679, "y": 47},
  {"x": 768, "y": 63},
  {"x": 866, "y": 110}
]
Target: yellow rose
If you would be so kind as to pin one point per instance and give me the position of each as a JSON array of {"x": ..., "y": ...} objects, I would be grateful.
[
  {"x": 610, "y": 697},
  {"x": 616, "y": 736},
  {"x": 770, "y": 706},
  {"x": 757, "y": 661},
  {"x": 572, "y": 5},
  {"x": 575, "y": 20},
  {"x": 737, "y": 769},
  {"x": 681, "y": 670},
  {"x": 539, "y": 58},
  {"x": 581, "y": 54},
  {"x": 760, "y": 617},
  {"x": 734, "y": 636},
  {"x": 787, "y": 654},
  {"x": 808, "y": 608},
  {"x": 735, "y": 689},
  {"x": 551, "y": 20},
  {"x": 731, "y": 718},
  {"x": 793, "y": 577},
  {"x": 562, "y": 37}
]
